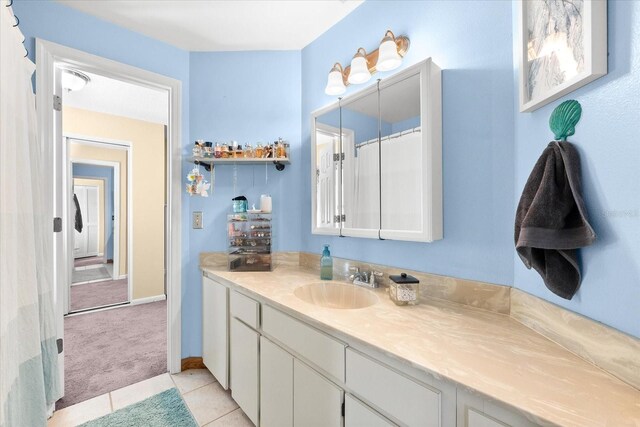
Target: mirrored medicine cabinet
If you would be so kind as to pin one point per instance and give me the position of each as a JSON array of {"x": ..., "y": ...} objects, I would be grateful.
[{"x": 376, "y": 160}]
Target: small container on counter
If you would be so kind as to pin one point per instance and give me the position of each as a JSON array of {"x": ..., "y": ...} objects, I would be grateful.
[
  {"x": 404, "y": 289},
  {"x": 259, "y": 151},
  {"x": 217, "y": 151},
  {"x": 248, "y": 151}
]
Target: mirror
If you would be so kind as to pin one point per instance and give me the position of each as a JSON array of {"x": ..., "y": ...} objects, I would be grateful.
[
  {"x": 387, "y": 183},
  {"x": 326, "y": 171},
  {"x": 361, "y": 164}
]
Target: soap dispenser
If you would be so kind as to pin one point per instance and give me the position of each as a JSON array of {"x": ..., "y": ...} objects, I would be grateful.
[{"x": 326, "y": 264}]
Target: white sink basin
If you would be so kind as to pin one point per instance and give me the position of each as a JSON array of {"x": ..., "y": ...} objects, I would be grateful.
[{"x": 336, "y": 295}]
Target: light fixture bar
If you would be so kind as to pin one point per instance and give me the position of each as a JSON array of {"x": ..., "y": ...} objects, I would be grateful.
[{"x": 402, "y": 44}]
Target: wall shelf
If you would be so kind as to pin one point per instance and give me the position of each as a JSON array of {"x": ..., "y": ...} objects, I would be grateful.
[{"x": 208, "y": 162}]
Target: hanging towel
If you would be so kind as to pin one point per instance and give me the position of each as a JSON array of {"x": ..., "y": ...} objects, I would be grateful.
[
  {"x": 551, "y": 220},
  {"x": 78, "y": 215}
]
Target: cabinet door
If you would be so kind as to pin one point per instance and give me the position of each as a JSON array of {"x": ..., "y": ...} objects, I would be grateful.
[
  {"x": 477, "y": 411},
  {"x": 316, "y": 401},
  {"x": 244, "y": 368},
  {"x": 276, "y": 386},
  {"x": 357, "y": 414},
  {"x": 215, "y": 329}
]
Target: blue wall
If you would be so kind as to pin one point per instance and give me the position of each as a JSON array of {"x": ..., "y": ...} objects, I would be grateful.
[
  {"x": 248, "y": 97},
  {"x": 101, "y": 172},
  {"x": 607, "y": 139},
  {"x": 478, "y": 130}
]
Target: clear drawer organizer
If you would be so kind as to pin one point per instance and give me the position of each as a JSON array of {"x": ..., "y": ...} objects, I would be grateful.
[{"x": 250, "y": 238}]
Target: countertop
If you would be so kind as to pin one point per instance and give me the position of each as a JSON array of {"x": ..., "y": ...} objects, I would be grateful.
[{"x": 484, "y": 351}]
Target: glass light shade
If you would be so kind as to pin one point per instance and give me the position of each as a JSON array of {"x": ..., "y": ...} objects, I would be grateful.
[
  {"x": 388, "y": 56},
  {"x": 359, "y": 70},
  {"x": 73, "y": 80},
  {"x": 335, "y": 84}
]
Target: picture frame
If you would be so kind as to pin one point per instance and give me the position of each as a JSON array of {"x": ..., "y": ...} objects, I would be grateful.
[{"x": 562, "y": 46}]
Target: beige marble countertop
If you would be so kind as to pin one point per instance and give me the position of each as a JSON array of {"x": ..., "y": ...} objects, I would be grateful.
[{"x": 484, "y": 351}]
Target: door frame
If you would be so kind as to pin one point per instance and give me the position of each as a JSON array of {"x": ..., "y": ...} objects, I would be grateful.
[
  {"x": 116, "y": 208},
  {"x": 49, "y": 57}
]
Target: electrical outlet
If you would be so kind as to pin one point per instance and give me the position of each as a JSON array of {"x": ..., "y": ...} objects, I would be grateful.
[{"x": 197, "y": 220}]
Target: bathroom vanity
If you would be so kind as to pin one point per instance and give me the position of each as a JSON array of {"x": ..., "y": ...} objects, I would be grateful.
[{"x": 290, "y": 360}]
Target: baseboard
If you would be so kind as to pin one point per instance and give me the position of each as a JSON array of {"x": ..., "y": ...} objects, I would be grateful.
[
  {"x": 124, "y": 276},
  {"x": 192, "y": 363},
  {"x": 148, "y": 299}
]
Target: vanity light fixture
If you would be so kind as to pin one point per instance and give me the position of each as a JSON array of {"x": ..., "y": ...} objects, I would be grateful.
[
  {"x": 359, "y": 68},
  {"x": 74, "y": 80},
  {"x": 335, "y": 83},
  {"x": 386, "y": 58}
]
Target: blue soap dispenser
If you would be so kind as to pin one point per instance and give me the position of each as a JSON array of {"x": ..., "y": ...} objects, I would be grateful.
[{"x": 326, "y": 264}]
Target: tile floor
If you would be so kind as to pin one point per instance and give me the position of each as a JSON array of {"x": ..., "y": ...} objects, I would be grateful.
[{"x": 208, "y": 402}]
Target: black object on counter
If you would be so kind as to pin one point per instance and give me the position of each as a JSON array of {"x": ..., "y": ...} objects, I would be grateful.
[{"x": 404, "y": 278}]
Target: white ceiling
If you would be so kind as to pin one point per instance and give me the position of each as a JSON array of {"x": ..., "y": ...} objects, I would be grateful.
[
  {"x": 223, "y": 25},
  {"x": 105, "y": 95}
]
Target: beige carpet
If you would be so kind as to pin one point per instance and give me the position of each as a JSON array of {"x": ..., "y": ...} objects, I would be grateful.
[
  {"x": 97, "y": 294},
  {"x": 110, "y": 349}
]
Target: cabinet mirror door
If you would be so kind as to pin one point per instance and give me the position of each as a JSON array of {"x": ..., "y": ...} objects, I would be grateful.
[
  {"x": 327, "y": 195},
  {"x": 360, "y": 167},
  {"x": 410, "y": 159}
]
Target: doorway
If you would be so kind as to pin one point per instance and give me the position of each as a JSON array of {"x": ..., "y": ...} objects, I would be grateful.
[
  {"x": 51, "y": 60},
  {"x": 97, "y": 231}
]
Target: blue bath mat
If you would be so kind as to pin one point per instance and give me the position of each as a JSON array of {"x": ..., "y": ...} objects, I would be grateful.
[{"x": 166, "y": 409}]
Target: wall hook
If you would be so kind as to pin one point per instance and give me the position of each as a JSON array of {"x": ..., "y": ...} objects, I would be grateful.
[{"x": 564, "y": 119}]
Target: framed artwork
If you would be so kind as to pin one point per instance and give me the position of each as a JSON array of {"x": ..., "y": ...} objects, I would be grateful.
[{"x": 563, "y": 46}]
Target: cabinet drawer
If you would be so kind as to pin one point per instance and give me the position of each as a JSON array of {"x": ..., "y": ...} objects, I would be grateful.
[
  {"x": 393, "y": 393},
  {"x": 318, "y": 348},
  {"x": 245, "y": 309}
]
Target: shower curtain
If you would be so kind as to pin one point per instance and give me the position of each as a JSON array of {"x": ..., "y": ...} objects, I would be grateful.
[
  {"x": 400, "y": 186},
  {"x": 29, "y": 382}
]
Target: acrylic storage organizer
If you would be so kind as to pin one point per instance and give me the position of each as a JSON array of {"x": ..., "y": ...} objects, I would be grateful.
[{"x": 250, "y": 238}]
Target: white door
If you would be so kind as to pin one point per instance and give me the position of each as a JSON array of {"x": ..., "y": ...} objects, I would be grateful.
[
  {"x": 244, "y": 368},
  {"x": 86, "y": 241},
  {"x": 276, "y": 386},
  {"x": 316, "y": 401},
  {"x": 357, "y": 414},
  {"x": 215, "y": 330}
]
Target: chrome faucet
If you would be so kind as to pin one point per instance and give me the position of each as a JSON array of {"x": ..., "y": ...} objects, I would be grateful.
[{"x": 363, "y": 278}]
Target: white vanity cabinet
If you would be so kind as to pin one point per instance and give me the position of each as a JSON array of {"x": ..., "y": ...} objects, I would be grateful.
[
  {"x": 215, "y": 329},
  {"x": 244, "y": 354},
  {"x": 284, "y": 372}
]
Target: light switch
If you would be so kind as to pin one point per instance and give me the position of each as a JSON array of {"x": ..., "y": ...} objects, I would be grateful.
[{"x": 197, "y": 220}]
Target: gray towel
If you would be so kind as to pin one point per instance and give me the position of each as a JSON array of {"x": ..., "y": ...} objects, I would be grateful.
[{"x": 551, "y": 220}]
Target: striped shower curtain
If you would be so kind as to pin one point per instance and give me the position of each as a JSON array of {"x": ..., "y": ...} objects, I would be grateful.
[{"x": 29, "y": 382}]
